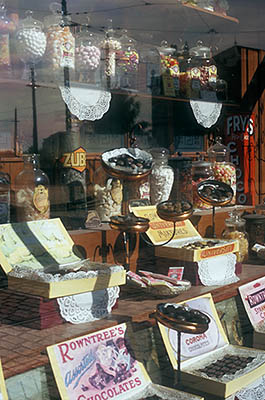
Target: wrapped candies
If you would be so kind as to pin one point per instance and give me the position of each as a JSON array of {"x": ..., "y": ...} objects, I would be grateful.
[
  {"x": 127, "y": 62},
  {"x": 87, "y": 55},
  {"x": 31, "y": 40},
  {"x": 60, "y": 51},
  {"x": 109, "y": 47}
]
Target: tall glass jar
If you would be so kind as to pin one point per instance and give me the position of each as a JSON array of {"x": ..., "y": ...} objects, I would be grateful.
[
  {"x": 32, "y": 191},
  {"x": 60, "y": 51},
  {"x": 161, "y": 177},
  {"x": 127, "y": 62},
  {"x": 109, "y": 47},
  {"x": 7, "y": 26},
  {"x": 235, "y": 229},
  {"x": 169, "y": 63},
  {"x": 87, "y": 55},
  {"x": 223, "y": 169}
]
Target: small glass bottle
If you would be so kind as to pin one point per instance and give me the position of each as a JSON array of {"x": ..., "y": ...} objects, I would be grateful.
[
  {"x": 235, "y": 229},
  {"x": 161, "y": 177},
  {"x": 223, "y": 169},
  {"x": 32, "y": 191}
]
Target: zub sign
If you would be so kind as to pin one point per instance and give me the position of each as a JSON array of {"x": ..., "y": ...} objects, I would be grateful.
[{"x": 75, "y": 159}]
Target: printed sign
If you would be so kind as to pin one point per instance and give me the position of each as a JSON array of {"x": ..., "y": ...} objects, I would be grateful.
[
  {"x": 3, "y": 392},
  {"x": 97, "y": 366},
  {"x": 195, "y": 345},
  {"x": 75, "y": 160},
  {"x": 240, "y": 130},
  {"x": 253, "y": 297},
  {"x": 159, "y": 230}
]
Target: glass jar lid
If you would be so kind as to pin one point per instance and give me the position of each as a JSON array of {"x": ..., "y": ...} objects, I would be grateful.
[
  {"x": 165, "y": 49},
  {"x": 219, "y": 152},
  {"x": 159, "y": 153},
  {"x": 235, "y": 220},
  {"x": 201, "y": 51},
  {"x": 29, "y": 22}
]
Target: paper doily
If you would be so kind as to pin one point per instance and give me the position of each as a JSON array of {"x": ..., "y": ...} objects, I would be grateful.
[
  {"x": 255, "y": 391},
  {"x": 86, "y": 103},
  {"x": 88, "y": 306},
  {"x": 218, "y": 270},
  {"x": 205, "y": 112}
]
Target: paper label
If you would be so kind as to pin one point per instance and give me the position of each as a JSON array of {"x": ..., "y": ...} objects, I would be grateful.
[
  {"x": 98, "y": 366},
  {"x": 253, "y": 297},
  {"x": 176, "y": 272},
  {"x": 160, "y": 231}
]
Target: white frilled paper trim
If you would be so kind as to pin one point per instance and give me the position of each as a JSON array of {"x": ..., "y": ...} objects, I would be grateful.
[
  {"x": 86, "y": 103},
  {"x": 218, "y": 270},
  {"x": 205, "y": 112},
  {"x": 88, "y": 306},
  {"x": 255, "y": 391}
]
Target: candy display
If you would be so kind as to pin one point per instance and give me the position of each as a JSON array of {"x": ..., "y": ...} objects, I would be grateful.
[
  {"x": 215, "y": 192},
  {"x": 177, "y": 207},
  {"x": 229, "y": 365},
  {"x": 201, "y": 170},
  {"x": 109, "y": 47},
  {"x": 201, "y": 244},
  {"x": 31, "y": 40},
  {"x": 87, "y": 55}
]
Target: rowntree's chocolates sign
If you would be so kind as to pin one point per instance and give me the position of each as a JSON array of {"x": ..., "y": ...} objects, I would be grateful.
[{"x": 239, "y": 137}]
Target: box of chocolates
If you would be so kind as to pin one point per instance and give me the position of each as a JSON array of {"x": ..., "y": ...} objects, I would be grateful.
[
  {"x": 102, "y": 365},
  {"x": 209, "y": 363},
  {"x": 40, "y": 258},
  {"x": 253, "y": 298}
]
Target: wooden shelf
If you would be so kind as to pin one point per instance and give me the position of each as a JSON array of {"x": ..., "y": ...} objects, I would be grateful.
[{"x": 203, "y": 10}]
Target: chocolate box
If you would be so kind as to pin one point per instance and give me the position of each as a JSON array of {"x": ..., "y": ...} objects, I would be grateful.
[
  {"x": 102, "y": 365},
  {"x": 40, "y": 258},
  {"x": 253, "y": 298},
  {"x": 208, "y": 362}
]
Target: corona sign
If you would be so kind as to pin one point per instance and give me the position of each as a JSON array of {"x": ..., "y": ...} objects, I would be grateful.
[{"x": 75, "y": 159}]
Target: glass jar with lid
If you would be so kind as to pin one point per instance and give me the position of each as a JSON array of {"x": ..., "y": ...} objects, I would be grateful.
[
  {"x": 60, "y": 51},
  {"x": 30, "y": 40},
  {"x": 235, "y": 229},
  {"x": 201, "y": 171},
  {"x": 161, "y": 177},
  {"x": 109, "y": 47},
  {"x": 127, "y": 62},
  {"x": 223, "y": 169},
  {"x": 169, "y": 63},
  {"x": 150, "y": 64},
  {"x": 87, "y": 55},
  {"x": 32, "y": 191},
  {"x": 7, "y": 26}
]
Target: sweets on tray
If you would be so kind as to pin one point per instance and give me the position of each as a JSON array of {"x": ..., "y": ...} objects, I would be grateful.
[{"x": 229, "y": 364}]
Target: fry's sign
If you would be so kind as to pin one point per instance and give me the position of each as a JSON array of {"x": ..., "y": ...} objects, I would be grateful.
[
  {"x": 75, "y": 160},
  {"x": 239, "y": 137}
]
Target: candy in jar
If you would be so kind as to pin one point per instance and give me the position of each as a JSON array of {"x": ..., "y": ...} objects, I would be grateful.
[
  {"x": 109, "y": 46},
  {"x": 127, "y": 62},
  {"x": 161, "y": 177},
  {"x": 30, "y": 40}
]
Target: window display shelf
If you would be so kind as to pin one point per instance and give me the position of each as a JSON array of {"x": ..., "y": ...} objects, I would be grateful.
[{"x": 203, "y": 10}]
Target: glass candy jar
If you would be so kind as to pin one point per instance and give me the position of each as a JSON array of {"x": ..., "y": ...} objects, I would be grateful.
[
  {"x": 161, "y": 177},
  {"x": 7, "y": 27},
  {"x": 201, "y": 171},
  {"x": 223, "y": 169},
  {"x": 32, "y": 191},
  {"x": 169, "y": 63},
  {"x": 235, "y": 229},
  {"x": 109, "y": 47},
  {"x": 60, "y": 50},
  {"x": 87, "y": 55},
  {"x": 127, "y": 62},
  {"x": 30, "y": 40}
]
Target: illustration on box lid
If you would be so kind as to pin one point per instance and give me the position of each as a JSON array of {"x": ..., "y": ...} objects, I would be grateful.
[
  {"x": 102, "y": 366},
  {"x": 253, "y": 298}
]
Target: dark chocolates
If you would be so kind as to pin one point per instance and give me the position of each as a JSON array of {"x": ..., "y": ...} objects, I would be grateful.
[
  {"x": 200, "y": 244},
  {"x": 229, "y": 364},
  {"x": 178, "y": 207},
  {"x": 183, "y": 313},
  {"x": 136, "y": 165}
]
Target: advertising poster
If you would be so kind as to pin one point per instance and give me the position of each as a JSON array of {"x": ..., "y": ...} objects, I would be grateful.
[
  {"x": 3, "y": 392},
  {"x": 97, "y": 366},
  {"x": 253, "y": 297}
]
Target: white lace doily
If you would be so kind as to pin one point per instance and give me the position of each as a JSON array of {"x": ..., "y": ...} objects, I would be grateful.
[
  {"x": 86, "y": 103},
  {"x": 205, "y": 112},
  {"x": 88, "y": 306},
  {"x": 218, "y": 270},
  {"x": 255, "y": 391}
]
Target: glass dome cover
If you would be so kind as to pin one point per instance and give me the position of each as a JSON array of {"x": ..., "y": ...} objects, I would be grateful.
[{"x": 219, "y": 152}]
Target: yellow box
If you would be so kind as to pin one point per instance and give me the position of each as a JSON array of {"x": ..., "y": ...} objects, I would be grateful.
[
  {"x": 160, "y": 231},
  {"x": 29, "y": 247},
  {"x": 199, "y": 351}
]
